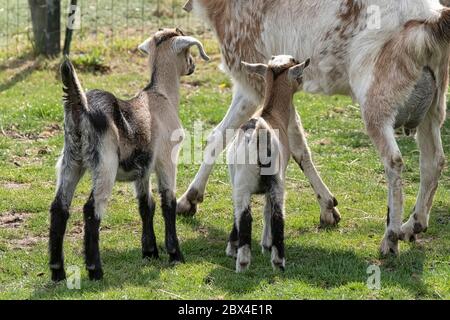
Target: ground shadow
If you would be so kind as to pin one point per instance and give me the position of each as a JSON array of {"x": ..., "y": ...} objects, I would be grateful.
[
  {"x": 325, "y": 269},
  {"x": 23, "y": 74}
]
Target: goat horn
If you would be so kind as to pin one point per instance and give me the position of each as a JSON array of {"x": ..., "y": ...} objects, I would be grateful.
[{"x": 183, "y": 42}]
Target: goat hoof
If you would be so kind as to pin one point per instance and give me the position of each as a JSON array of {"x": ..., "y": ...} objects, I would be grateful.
[
  {"x": 58, "y": 275},
  {"x": 390, "y": 246},
  {"x": 176, "y": 258},
  {"x": 231, "y": 250},
  {"x": 187, "y": 205},
  {"x": 330, "y": 217},
  {"x": 266, "y": 249},
  {"x": 186, "y": 208},
  {"x": 410, "y": 230},
  {"x": 150, "y": 255},
  {"x": 96, "y": 275},
  {"x": 279, "y": 266}
]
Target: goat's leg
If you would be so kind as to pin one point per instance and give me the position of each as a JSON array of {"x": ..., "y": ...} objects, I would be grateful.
[
  {"x": 432, "y": 162},
  {"x": 233, "y": 242},
  {"x": 147, "y": 212},
  {"x": 383, "y": 136},
  {"x": 240, "y": 111},
  {"x": 243, "y": 221},
  {"x": 329, "y": 214},
  {"x": 266, "y": 239},
  {"x": 166, "y": 172},
  {"x": 69, "y": 174},
  {"x": 104, "y": 176},
  {"x": 276, "y": 202}
]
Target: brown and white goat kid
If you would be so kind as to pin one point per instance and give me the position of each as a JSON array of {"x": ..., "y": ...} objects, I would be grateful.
[
  {"x": 392, "y": 57},
  {"x": 258, "y": 158},
  {"x": 124, "y": 141}
]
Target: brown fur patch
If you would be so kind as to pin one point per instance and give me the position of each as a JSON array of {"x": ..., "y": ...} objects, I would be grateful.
[
  {"x": 166, "y": 34},
  {"x": 349, "y": 14}
]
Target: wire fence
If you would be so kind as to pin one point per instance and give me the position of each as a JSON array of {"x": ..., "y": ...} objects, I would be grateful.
[{"x": 104, "y": 20}]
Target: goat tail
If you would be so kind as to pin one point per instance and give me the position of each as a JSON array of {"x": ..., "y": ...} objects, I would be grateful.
[
  {"x": 425, "y": 36},
  {"x": 268, "y": 148},
  {"x": 439, "y": 30},
  {"x": 75, "y": 101}
]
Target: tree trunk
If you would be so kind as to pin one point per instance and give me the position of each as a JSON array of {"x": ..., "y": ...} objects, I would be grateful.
[{"x": 46, "y": 18}]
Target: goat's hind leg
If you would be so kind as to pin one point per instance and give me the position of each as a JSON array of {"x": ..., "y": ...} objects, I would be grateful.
[
  {"x": 266, "y": 239},
  {"x": 147, "y": 212},
  {"x": 276, "y": 202},
  {"x": 233, "y": 242},
  {"x": 329, "y": 213},
  {"x": 383, "y": 136},
  {"x": 104, "y": 175},
  {"x": 69, "y": 174},
  {"x": 432, "y": 161},
  {"x": 243, "y": 222}
]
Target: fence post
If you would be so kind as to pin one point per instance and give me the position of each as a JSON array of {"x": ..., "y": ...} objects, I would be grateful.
[
  {"x": 38, "y": 10},
  {"x": 53, "y": 27},
  {"x": 46, "y": 18},
  {"x": 69, "y": 29}
]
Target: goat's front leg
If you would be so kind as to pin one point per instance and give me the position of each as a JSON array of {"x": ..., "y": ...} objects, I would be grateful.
[
  {"x": 147, "y": 212},
  {"x": 432, "y": 161},
  {"x": 69, "y": 174},
  {"x": 329, "y": 214},
  {"x": 240, "y": 111},
  {"x": 166, "y": 172},
  {"x": 383, "y": 136}
]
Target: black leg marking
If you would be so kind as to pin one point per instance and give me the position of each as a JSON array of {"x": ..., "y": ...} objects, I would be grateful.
[
  {"x": 388, "y": 219},
  {"x": 245, "y": 228},
  {"x": 278, "y": 229},
  {"x": 233, "y": 242},
  {"x": 147, "y": 212},
  {"x": 234, "y": 236},
  {"x": 91, "y": 241},
  {"x": 169, "y": 208},
  {"x": 59, "y": 214}
]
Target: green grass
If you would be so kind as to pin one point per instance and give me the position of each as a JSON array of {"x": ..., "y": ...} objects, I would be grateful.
[{"x": 321, "y": 264}]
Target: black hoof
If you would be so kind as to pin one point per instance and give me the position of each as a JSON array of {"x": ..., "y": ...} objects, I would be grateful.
[
  {"x": 96, "y": 275},
  {"x": 58, "y": 275},
  {"x": 150, "y": 255},
  {"x": 175, "y": 258},
  {"x": 189, "y": 213}
]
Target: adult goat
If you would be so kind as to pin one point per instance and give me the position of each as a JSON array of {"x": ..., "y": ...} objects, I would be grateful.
[{"x": 390, "y": 56}]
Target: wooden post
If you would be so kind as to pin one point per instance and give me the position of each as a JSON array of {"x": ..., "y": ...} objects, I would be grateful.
[{"x": 46, "y": 19}]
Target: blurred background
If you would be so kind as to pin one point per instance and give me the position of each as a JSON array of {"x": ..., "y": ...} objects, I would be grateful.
[{"x": 45, "y": 26}]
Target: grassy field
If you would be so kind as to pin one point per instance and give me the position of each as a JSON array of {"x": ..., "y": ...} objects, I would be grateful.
[{"x": 321, "y": 264}]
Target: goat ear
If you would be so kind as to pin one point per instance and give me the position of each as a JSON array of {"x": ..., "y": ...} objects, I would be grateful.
[
  {"x": 183, "y": 42},
  {"x": 255, "y": 68},
  {"x": 296, "y": 72},
  {"x": 144, "y": 47}
]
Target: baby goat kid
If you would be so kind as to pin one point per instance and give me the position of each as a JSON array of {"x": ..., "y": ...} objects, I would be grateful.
[
  {"x": 124, "y": 141},
  {"x": 258, "y": 158}
]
